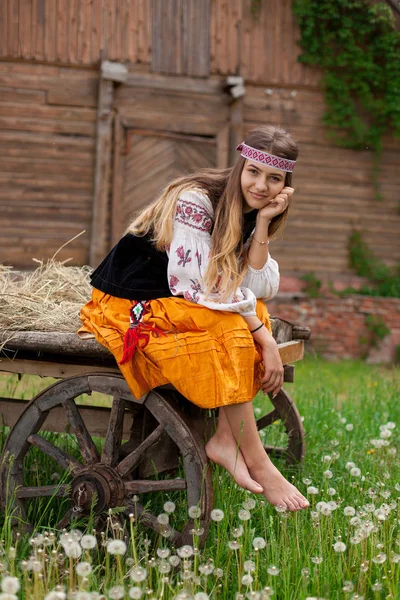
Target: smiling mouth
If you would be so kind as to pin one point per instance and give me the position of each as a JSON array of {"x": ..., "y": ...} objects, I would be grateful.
[{"x": 258, "y": 196}]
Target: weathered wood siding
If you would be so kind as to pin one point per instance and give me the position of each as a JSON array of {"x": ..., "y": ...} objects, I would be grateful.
[
  {"x": 47, "y": 142},
  {"x": 186, "y": 37}
]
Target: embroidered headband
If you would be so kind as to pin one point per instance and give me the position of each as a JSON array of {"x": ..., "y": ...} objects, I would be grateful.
[{"x": 265, "y": 158}]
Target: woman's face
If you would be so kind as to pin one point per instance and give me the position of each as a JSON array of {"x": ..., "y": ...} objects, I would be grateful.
[{"x": 260, "y": 184}]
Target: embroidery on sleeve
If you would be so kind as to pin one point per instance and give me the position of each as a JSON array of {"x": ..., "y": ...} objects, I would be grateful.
[
  {"x": 183, "y": 256},
  {"x": 193, "y": 215},
  {"x": 173, "y": 282},
  {"x": 198, "y": 256}
]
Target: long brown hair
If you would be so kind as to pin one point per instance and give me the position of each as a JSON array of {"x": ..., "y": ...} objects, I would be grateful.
[{"x": 228, "y": 262}]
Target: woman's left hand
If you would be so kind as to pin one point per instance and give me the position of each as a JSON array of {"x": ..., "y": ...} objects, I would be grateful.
[{"x": 277, "y": 204}]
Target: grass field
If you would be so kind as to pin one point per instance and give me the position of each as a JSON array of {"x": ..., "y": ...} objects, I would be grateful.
[{"x": 347, "y": 545}]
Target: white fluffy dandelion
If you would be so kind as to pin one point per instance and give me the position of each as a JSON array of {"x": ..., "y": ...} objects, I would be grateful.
[
  {"x": 317, "y": 560},
  {"x": 72, "y": 549},
  {"x": 83, "y": 596},
  {"x": 201, "y": 596},
  {"x": 10, "y": 585},
  {"x": 247, "y": 579},
  {"x": 259, "y": 543},
  {"x": 355, "y": 472},
  {"x": 163, "y": 518},
  {"x": 349, "y": 427},
  {"x": 55, "y": 595},
  {"x": 349, "y": 511},
  {"x": 83, "y": 569},
  {"x": 234, "y": 545},
  {"x": 217, "y": 515},
  {"x": 249, "y": 504},
  {"x": 328, "y": 474},
  {"x": 116, "y": 547},
  {"x": 135, "y": 593},
  {"x": 169, "y": 507},
  {"x": 379, "y": 559},
  {"x": 249, "y": 566},
  {"x": 88, "y": 542},
  {"x": 273, "y": 570},
  {"x": 194, "y": 512},
  {"x": 237, "y": 532},
  {"x": 185, "y": 551},
  {"x": 339, "y": 547},
  {"x": 312, "y": 490},
  {"x": 163, "y": 552},
  {"x": 164, "y": 567},
  {"x": 350, "y": 465},
  {"x": 117, "y": 592},
  {"x": 244, "y": 515},
  {"x": 174, "y": 560},
  {"x": 138, "y": 574}
]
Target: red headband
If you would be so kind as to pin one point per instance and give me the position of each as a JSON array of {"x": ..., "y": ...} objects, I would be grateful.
[{"x": 265, "y": 158}]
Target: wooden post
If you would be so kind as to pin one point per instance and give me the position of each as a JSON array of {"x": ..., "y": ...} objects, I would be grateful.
[
  {"x": 110, "y": 72},
  {"x": 237, "y": 90}
]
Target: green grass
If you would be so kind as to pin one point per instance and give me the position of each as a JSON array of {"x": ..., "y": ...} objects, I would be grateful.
[{"x": 344, "y": 406}]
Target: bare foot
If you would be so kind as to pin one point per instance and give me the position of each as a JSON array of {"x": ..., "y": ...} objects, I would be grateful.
[
  {"x": 276, "y": 488},
  {"x": 223, "y": 451}
]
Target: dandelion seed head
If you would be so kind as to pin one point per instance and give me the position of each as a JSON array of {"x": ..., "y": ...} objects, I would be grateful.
[
  {"x": 163, "y": 552},
  {"x": 328, "y": 474},
  {"x": 355, "y": 539},
  {"x": 331, "y": 491},
  {"x": 135, "y": 593},
  {"x": 377, "y": 586},
  {"x": 116, "y": 547},
  {"x": 349, "y": 511},
  {"x": 348, "y": 586},
  {"x": 83, "y": 569},
  {"x": 350, "y": 465},
  {"x": 349, "y": 427},
  {"x": 201, "y": 596},
  {"x": 273, "y": 570},
  {"x": 55, "y": 595},
  {"x": 187, "y": 575},
  {"x": 174, "y": 560},
  {"x": 138, "y": 574},
  {"x": 218, "y": 573},
  {"x": 88, "y": 542},
  {"x": 217, "y": 515},
  {"x": 259, "y": 543},
  {"x": 327, "y": 458},
  {"x": 169, "y": 507},
  {"x": 237, "y": 532},
  {"x": 249, "y": 566},
  {"x": 280, "y": 508},
  {"x": 163, "y": 518},
  {"x": 332, "y": 505},
  {"x": 244, "y": 515},
  {"x": 306, "y": 481},
  {"x": 194, "y": 512},
  {"x": 81, "y": 595},
  {"x": 10, "y": 585},
  {"x": 185, "y": 551},
  {"x": 234, "y": 545},
  {"x": 249, "y": 504},
  {"x": 325, "y": 510},
  {"x": 164, "y": 567},
  {"x": 317, "y": 560},
  {"x": 339, "y": 547},
  {"x": 395, "y": 558},
  {"x": 247, "y": 579},
  {"x": 312, "y": 490},
  {"x": 379, "y": 559},
  {"x": 72, "y": 549},
  {"x": 355, "y": 472}
]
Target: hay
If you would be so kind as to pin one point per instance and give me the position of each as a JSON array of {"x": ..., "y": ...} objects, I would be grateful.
[{"x": 46, "y": 299}]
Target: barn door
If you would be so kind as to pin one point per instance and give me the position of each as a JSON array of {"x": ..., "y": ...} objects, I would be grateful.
[{"x": 146, "y": 160}]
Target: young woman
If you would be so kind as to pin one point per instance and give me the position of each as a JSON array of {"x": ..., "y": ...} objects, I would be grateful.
[{"x": 179, "y": 300}]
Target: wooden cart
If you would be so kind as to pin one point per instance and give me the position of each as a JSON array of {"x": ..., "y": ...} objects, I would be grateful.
[{"x": 145, "y": 440}]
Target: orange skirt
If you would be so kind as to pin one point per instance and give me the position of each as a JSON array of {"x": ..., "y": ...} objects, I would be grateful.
[{"x": 208, "y": 355}]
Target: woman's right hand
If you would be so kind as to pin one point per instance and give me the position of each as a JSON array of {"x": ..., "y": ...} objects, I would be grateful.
[{"x": 272, "y": 380}]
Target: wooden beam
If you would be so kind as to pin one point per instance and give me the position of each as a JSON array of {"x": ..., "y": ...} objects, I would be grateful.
[
  {"x": 291, "y": 351},
  {"x": 100, "y": 225}
]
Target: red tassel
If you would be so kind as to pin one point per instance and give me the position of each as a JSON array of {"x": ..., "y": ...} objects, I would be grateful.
[{"x": 137, "y": 335}]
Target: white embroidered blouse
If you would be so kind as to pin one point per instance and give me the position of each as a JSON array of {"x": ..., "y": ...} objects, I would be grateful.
[{"x": 189, "y": 255}]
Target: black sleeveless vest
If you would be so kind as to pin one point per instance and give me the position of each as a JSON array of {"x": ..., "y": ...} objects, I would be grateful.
[{"x": 136, "y": 270}]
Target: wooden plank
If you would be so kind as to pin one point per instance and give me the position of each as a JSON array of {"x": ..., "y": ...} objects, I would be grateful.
[
  {"x": 100, "y": 228},
  {"x": 12, "y": 95},
  {"x": 62, "y": 27},
  {"x": 4, "y": 26},
  {"x": 38, "y": 30},
  {"x": 132, "y": 30},
  {"x": 86, "y": 38},
  {"x": 73, "y": 30},
  {"x": 146, "y": 17},
  {"x": 50, "y": 369},
  {"x": 96, "y": 31},
  {"x": 54, "y": 343},
  {"x": 291, "y": 351},
  {"x": 25, "y": 18},
  {"x": 50, "y": 32},
  {"x": 118, "y": 173}
]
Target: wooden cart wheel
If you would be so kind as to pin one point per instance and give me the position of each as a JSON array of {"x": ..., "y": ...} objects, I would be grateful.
[
  {"x": 286, "y": 411},
  {"x": 108, "y": 478}
]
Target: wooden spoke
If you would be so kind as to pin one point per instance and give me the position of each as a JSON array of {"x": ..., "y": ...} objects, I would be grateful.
[
  {"x": 149, "y": 520},
  {"x": 132, "y": 460},
  {"x": 141, "y": 486},
  {"x": 67, "y": 518},
  {"x": 276, "y": 451},
  {"x": 113, "y": 438},
  {"x": 42, "y": 490},
  {"x": 85, "y": 442},
  {"x": 267, "y": 419},
  {"x": 62, "y": 458}
]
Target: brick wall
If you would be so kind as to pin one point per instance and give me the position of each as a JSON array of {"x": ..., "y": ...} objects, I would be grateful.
[{"x": 339, "y": 324}]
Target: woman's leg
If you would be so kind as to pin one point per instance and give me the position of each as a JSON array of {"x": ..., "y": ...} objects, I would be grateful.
[
  {"x": 276, "y": 488},
  {"x": 224, "y": 450}
]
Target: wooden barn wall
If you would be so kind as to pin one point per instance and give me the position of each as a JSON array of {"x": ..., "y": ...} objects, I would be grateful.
[
  {"x": 334, "y": 189},
  {"x": 185, "y": 37},
  {"x": 47, "y": 144}
]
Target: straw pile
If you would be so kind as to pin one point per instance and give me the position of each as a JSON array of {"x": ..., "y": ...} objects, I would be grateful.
[{"x": 46, "y": 299}]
